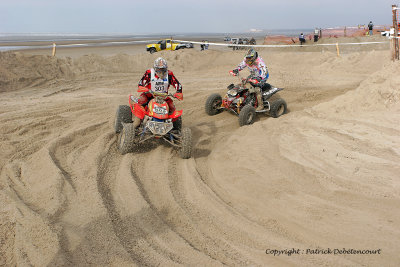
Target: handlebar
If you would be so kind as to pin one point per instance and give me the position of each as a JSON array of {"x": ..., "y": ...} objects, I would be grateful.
[
  {"x": 249, "y": 79},
  {"x": 143, "y": 89}
]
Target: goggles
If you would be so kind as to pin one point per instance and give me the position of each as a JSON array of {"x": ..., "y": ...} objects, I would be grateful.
[
  {"x": 161, "y": 71},
  {"x": 250, "y": 60}
]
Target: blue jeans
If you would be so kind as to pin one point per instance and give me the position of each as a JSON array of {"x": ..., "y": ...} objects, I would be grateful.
[{"x": 370, "y": 32}]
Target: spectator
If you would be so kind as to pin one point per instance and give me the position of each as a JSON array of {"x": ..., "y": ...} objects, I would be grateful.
[
  {"x": 206, "y": 44},
  {"x": 370, "y": 28},
  {"x": 233, "y": 42},
  {"x": 202, "y": 46},
  {"x": 240, "y": 42},
  {"x": 302, "y": 39},
  {"x": 316, "y": 35}
]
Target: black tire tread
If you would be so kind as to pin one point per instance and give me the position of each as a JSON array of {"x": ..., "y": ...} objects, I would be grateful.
[
  {"x": 128, "y": 134},
  {"x": 275, "y": 107},
  {"x": 123, "y": 115},
  {"x": 178, "y": 124},
  {"x": 210, "y": 102},
  {"x": 244, "y": 113},
  {"x": 186, "y": 149}
]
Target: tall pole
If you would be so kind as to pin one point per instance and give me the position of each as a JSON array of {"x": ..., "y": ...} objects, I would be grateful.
[{"x": 395, "y": 55}]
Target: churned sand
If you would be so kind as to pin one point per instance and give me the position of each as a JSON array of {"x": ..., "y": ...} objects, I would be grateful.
[{"x": 324, "y": 175}]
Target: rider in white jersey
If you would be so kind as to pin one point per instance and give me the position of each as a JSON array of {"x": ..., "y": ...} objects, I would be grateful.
[{"x": 259, "y": 73}]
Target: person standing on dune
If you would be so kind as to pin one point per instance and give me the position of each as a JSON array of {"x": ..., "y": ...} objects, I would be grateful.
[
  {"x": 302, "y": 39},
  {"x": 370, "y": 28},
  {"x": 316, "y": 35}
]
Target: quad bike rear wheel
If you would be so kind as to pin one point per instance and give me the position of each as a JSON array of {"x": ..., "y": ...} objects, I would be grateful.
[
  {"x": 186, "y": 142},
  {"x": 123, "y": 115},
  {"x": 278, "y": 108},
  {"x": 126, "y": 139},
  {"x": 212, "y": 104},
  {"x": 247, "y": 115}
]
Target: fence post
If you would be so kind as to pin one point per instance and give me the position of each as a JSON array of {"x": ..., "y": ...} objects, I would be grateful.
[
  {"x": 337, "y": 49},
  {"x": 54, "y": 49}
]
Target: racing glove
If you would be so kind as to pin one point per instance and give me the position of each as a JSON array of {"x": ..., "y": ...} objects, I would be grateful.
[{"x": 234, "y": 72}]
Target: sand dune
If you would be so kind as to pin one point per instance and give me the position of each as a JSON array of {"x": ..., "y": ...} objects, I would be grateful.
[{"x": 324, "y": 175}]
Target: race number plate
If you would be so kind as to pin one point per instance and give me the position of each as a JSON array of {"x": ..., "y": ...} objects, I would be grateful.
[{"x": 160, "y": 110}]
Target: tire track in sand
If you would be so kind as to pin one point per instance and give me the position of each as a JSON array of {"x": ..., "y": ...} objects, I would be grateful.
[
  {"x": 142, "y": 243},
  {"x": 150, "y": 179}
]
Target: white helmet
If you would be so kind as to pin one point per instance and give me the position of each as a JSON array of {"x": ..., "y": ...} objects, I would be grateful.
[{"x": 160, "y": 67}]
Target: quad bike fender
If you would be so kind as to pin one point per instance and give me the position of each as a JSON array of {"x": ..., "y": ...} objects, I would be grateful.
[
  {"x": 132, "y": 101},
  {"x": 270, "y": 92},
  {"x": 139, "y": 111},
  {"x": 175, "y": 115}
]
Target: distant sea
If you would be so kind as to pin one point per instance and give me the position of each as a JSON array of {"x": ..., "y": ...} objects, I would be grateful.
[{"x": 20, "y": 41}]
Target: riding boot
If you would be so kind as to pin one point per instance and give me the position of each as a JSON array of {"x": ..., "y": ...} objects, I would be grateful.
[
  {"x": 259, "y": 101},
  {"x": 136, "y": 122}
]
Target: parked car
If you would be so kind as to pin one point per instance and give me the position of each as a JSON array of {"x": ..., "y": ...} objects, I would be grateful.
[
  {"x": 238, "y": 40},
  {"x": 388, "y": 33},
  {"x": 187, "y": 45},
  {"x": 167, "y": 44},
  {"x": 227, "y": 39},
  {"x": 233, "y": 41}
]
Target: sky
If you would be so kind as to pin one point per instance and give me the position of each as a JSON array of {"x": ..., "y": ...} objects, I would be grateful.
[{"x": 180, "y": 16}]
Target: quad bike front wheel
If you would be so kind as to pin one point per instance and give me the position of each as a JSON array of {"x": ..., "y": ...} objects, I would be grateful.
[
  {"x": 178, "y": 124},
  {"x": 278, "y": 108},
  {"x": 247, "y": 115},
  {"x": 213, "y": 104},
  {"x": 126, "y": 139},
  {"x": 186, "y": 142},
  {"x": 123, "y": 115}
]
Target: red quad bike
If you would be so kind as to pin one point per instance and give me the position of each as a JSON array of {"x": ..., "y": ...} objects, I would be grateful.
[
  {"x": 241, "y": 99},
  {"x": 156, "y": 123}
]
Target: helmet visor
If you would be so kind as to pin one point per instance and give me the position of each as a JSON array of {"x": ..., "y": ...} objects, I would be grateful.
[
  {"x": 250, "y": 60},
  {"x": 161, "y": 72}
]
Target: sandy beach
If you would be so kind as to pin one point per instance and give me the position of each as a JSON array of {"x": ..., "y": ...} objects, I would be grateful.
[
  {"x": 323, "y": 177},
  {"x": 104, "y": 48}
]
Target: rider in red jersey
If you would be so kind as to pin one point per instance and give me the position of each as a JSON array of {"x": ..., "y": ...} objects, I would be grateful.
[{"x": 158, "y": 79}]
